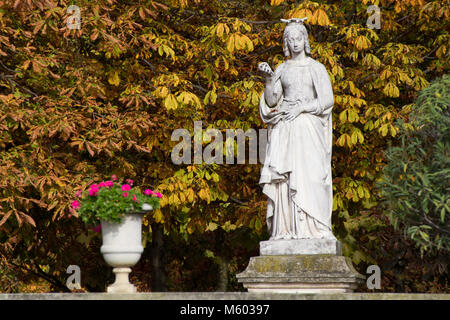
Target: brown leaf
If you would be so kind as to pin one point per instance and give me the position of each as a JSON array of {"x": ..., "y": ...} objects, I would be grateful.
[
  {"x": 89, "y": 149},
  {"x": 94, "y": 35},
  {"x": 141, "y": 14},
  {"x": 38, "y": 25},
  {"x": 29, "y": 219},
  {"x": 5, "y": 217},
  {"x": 18, "y": 219}
]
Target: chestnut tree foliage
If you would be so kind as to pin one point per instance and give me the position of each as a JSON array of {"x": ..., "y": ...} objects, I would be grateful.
[{"x": 78, "y": 105}]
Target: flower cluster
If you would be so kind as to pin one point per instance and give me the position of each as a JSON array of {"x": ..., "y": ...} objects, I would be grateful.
[
  {"x": 151, "y": 193},
  {"x": 110, "y": 200}
]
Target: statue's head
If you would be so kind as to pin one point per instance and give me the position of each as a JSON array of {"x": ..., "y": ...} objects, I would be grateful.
[{"x": 295, "y": 29}]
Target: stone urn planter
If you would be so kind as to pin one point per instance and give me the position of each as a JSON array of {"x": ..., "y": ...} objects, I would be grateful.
[
  {"x": 122, "y": 249},
  {"x": 119, "y": 208}
]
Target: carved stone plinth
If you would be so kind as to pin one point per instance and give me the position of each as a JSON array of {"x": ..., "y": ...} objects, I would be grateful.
[
  {"x": 300, "y": 246},
  {"x": 315, "y": 273}
]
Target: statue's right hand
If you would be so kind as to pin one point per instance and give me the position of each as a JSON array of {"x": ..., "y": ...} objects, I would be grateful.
[
  {"x": 265, "y": 69},
  {"x": 275, "y": 112}
]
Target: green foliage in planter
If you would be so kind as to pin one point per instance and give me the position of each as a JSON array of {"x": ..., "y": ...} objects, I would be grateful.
[
  {"x": 111, "y": 202},
  {"x": 416, "y": 180}
]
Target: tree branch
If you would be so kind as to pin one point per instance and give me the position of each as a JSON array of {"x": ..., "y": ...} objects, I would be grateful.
[
  {"x": 18, "y": 85},
  {"x": 433, "y": 224},
  {"x": 43, "y": 275},
  {"x": 10, "y": 70},
  {"x": 204, "y": 90},
  {"x": 260, "y": 22}
]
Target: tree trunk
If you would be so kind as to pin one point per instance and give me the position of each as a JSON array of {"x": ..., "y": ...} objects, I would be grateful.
[
  {"x": 158, "y": 276},
  {"x": 223, "y": 274},
  {"x": 221, "y": 260}
]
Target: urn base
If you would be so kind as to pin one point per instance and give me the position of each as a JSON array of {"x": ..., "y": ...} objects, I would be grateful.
[{"x": 122, "y": 284}]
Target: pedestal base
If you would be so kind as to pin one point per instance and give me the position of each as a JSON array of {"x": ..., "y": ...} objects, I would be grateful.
[
  {"x": 300, "y": 246},
  {"x": 300, "y": 274},
  {"x": 122, "y": 284}
]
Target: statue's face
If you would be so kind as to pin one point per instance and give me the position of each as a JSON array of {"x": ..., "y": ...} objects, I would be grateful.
[{"x": 295, "y": 42}]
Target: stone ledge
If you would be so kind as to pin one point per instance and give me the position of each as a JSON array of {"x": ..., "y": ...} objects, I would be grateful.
[{"x": 189, "y": 296}]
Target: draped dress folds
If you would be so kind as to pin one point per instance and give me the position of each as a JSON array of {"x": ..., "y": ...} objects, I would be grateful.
[{"x": 296, "y": 176}]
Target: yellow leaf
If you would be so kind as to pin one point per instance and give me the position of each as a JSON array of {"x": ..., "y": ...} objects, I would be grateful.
[
  {"x": 354, "y": 137},
  {"x": 384, "y": 129},
  {"x": 362, "y": 43},
  {"x": 248, "y": 43},
  {"x": 158, "y": 216},
  {"x": 321, "y": 17},
  {"x": 276, "y": 2},
  {"x": 161, "y": 92},
  {"x": 211, "y": 226},
  {"x": 239, "y": 42},
  {"x": 301, "y": 14},
  {"x": 385, "y": 74},
  {"x": 343, "y": 116},
  {"x": 170, "y": 102},
  {"x": 391, "y": 90},
  {"x": 220, "y": 29},
  {"x": 213, "y": 97},
  {"x": 191, "y": 195},
  {"x": 360, "y": 191},
  {"x": 230, "y": 43},
  {"x": 60, "y": 183},
  {"x": 114, "y": 78},
  {"x": 393, "y": 130},
  {"x": 176, "y": 200}
]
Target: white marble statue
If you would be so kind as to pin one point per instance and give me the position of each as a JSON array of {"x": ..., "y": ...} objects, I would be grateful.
[{"x": 296, "y": 176}]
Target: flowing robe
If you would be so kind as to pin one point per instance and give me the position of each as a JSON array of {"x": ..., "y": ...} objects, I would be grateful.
[{"x": 296, "y": 176}]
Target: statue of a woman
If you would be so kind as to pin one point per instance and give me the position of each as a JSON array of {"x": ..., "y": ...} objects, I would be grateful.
[{"x": 296, "y": 176}]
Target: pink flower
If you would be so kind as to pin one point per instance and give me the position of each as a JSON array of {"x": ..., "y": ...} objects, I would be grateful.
[
  {"x": 130, "y": 182},
  {"x": 75, "y": 204},
  {"x": 97, "y": 228},
  {"x": 134, "y": 197},
  {"x": 114, "y": 177},
  {"x": 78, "y": 194},
  {"x": 159, "y": 195},
  {"x": 125, "y": 194},
  {"x": 126, "y": 187},
  {"x": 102, "y": 184},
  {"x": 109, "y": 184},
  {"x": 148, "y": 192},
  {"x": 93, "y": 191}
]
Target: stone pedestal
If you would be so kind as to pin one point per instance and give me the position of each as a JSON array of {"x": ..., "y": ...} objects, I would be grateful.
[
  {"x": 122, "y": 284},
  {"x": 300, "y": 266},
  {"x": 300, "y": 246}
]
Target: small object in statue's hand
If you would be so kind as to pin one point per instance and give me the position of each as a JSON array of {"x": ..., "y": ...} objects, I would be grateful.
[{"x": 265, "y": 68}]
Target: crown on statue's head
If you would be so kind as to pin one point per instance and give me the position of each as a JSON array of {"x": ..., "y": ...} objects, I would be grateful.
[{"x": 294, "y": 20}]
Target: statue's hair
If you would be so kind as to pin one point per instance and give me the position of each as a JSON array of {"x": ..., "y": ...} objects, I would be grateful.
[{"x": 300, "y": 27}]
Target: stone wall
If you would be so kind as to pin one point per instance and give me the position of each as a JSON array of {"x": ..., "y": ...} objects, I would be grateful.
[{"x": 223, "y": 296}]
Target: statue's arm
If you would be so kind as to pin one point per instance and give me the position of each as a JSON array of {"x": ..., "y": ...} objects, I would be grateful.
[
  {"x": 324, "y": 90},
  {"x": 273, "y": 89},
  {"x": 272, "y": 92}
]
